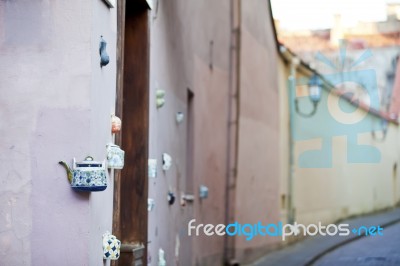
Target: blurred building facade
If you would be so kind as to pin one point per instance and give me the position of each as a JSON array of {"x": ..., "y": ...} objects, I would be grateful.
[
  {"x": 381, "y": 39},
  {"x": 340, "y": 162},
  {"x": 311, "y": 192},
  {"x": 215, "y": 62}
]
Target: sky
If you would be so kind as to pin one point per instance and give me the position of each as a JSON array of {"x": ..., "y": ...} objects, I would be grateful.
[{"x": 318, "y": 14}]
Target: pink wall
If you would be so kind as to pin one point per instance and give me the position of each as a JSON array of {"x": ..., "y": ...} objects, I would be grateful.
[
  {"x": 56, "y": 104},
  {"x": 257, "y": 187},
  {"x": 181, "y": 32}
]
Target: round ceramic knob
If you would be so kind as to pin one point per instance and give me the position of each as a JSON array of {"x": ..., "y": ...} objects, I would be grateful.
[
  {"x": 115, "y": 124},
  {"x": 171, "y": 198}
]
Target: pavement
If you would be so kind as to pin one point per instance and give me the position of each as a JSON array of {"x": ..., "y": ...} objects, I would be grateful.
[
  {"x": 367, "y": 251},
  {"x": 312, "y": 250}
]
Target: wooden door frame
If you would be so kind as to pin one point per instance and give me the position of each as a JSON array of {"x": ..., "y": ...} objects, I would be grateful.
[{"x": 130, "y": 216}]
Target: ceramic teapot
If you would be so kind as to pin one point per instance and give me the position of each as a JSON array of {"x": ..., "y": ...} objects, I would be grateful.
[
  {"x": 87, "y": 175},
  {"x": 115, "y": 156}
]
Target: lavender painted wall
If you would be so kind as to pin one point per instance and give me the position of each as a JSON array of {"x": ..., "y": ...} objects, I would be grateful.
[
  {"x": 181, "y": 54},
  {"x": 181, "y": 32},
  {"x": 55, "y": 105},
  {"x": 102, "y": 96},
  {"x": 257, "y": 189}
]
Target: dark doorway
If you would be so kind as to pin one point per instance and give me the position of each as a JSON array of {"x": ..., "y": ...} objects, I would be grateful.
[{"x": 130, "y": 185}]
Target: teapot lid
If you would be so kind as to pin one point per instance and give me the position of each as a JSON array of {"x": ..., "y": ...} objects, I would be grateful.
[
  {"x": 89, "y": 162},
  {"x": 111, "y": 145}
]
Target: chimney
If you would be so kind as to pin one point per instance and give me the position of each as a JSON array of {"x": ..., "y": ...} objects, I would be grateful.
[{"x": 337, "y": 32}]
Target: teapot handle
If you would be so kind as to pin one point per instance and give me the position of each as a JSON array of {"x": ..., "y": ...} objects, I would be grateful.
[{"x": 89, "y": 158}]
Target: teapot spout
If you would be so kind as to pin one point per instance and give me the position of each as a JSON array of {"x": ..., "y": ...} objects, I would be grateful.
[{"x": 69, "y": 171}]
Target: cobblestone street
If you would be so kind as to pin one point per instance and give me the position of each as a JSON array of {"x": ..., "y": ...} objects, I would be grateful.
[
  {"x": 377, "y": 250},
  {"x": 382, "y": 250}
]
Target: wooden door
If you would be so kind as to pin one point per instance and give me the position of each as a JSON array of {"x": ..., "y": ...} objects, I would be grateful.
[{"x": 130, "y": 185}]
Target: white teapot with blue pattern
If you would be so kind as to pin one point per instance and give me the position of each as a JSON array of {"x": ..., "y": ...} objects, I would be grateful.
[{"x": 87, "y": 175}]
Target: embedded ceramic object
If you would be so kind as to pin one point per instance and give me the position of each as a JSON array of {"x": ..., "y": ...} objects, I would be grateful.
[
  {"x": 171, "y": 198},
  {"x": 160, "y": 98},
  {"x": 111, "y": 247},
  {"x": 186, "y": 198},
  {"x": 160, "y": 103},
  {"x": 167, "y": 161},
  {"x": 160, "y": 93},
  {"x": 203, "y": 192},
  {"x": 115, "y": 156},
  {"x": 161, "y": 258},
  {"x": 152, "y": 168},
  {"x": 104, "y": 58},
  {"x": 87, "y": 175},
  {"x": 150, "y": 204},
  {"x": 115, "y": 124},
  {"x": 179, "y": 117}
]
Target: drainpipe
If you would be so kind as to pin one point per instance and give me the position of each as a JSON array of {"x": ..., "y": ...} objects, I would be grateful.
[
  {"x": 294, "y": 62},
  {"x": 233, "y": 128}
]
